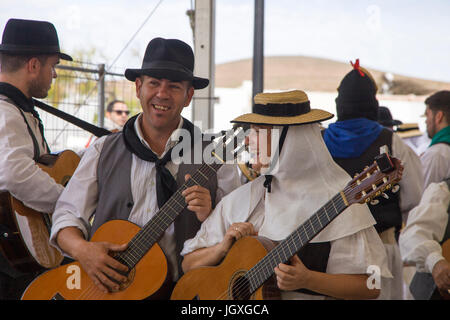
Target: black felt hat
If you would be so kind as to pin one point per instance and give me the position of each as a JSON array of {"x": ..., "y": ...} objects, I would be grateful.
[
  {"x": 357, "y": 95},
  {"x": 385, "y": 117},
  {"x": 31, "y": 37},
  {"x": 169, "y": 59}
]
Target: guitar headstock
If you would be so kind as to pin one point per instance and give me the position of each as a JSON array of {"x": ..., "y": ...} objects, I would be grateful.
[
  {"x": 228, "y": 146},
  {"x": 380, "y": 176}
]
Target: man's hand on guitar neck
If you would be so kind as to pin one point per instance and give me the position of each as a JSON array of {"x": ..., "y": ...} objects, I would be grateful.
[
  {"x": 198, "y": 199},
  {"x": 95, "y": 258}
]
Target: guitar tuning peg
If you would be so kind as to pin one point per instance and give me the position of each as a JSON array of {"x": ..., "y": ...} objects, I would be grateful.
[{"x": 384, "y": 195}]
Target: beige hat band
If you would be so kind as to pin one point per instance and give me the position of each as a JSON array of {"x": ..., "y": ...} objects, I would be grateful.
[{"x": 282, "y": 110}]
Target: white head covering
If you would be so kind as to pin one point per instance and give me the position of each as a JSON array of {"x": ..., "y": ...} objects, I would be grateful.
[{"x": 306, "y": 179}]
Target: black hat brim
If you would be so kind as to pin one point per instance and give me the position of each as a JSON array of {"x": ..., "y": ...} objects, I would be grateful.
[
  {"x": 173, "y": 75},
  {"x": 13, "y": 49}
]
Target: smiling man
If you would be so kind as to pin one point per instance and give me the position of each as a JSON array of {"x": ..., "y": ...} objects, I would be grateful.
[{"x": 130, "y": 174}]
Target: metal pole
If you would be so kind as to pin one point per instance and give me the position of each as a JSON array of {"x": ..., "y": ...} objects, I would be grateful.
[
  {"x": 101, "y": 95},
  {"x": 204, "y": 35},
  {"x": 258, "y": 48}
]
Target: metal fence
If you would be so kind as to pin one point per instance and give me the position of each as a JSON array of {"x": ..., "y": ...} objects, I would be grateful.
[{"x": 83, "y": 89}]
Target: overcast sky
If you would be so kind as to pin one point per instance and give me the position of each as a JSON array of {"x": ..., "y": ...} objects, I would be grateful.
[{"x": 410, "y": 37}]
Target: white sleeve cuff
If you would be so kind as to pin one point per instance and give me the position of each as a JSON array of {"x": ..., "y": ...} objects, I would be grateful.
[{"x": 432, "y": 259}]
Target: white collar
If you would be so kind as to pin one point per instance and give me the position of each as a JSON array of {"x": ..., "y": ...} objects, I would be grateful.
[{"x": 172, "y": 141}]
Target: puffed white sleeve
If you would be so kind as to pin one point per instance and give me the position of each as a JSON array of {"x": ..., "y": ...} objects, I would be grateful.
[
  {"x": 435, "y": 163},
  {"x": 228, "y": 179},
  {"x": 419, "y": 240},
  {"x": 19, "y": 173},
  {"x": 79, "y": 199},
  {"x": 359, "y": 253}
]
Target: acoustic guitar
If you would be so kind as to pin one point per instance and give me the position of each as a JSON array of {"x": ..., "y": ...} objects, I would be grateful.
[
  {"x": 148, "y": 276},
  {"x": 247, "y": 271},
  {"x": 24, "y": 232}
]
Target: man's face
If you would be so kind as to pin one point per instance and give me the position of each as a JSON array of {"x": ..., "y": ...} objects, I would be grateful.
[
  {"x": 260, "y": 142},
  {"x": 162, "y": 101},
  {"x": 431, "y": 123},
  {"x": 41, "y": 83},
  {"x": 119, "y": 113}
]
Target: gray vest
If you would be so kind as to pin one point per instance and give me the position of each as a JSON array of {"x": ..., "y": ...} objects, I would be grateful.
[
  {"x": 422, "y": 285},
  {"x": 115, "y": 200}
]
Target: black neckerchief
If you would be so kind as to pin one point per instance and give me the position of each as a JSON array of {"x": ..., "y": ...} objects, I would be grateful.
[
  {"x": 165, "y": 182},
  {"x": 23, "y": 103}
]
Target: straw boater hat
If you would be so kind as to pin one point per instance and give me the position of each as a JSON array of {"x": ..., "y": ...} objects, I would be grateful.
[
  {"x": 283, "y": 109},
  {"x": 408, "y": 130}
]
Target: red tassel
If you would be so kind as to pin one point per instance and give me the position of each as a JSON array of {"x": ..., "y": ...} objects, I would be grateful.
[{"x": 357, "y": 67}]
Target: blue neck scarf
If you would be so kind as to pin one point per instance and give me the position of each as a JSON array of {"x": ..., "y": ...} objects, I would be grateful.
[{"x": 350, "y": 138}]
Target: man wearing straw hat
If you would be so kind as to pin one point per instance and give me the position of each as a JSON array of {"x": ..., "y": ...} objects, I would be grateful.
[
  {"x": 298, "y": 178},
  {"x": 130, "y": 174},
  {"x": 353, "y": 141},
  {"x": 28, "y": 54}
]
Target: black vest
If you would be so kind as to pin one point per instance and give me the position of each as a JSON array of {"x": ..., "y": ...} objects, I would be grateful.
[
  {"x": 115, "y": 200},
  {"x": 386, "y": 212}
]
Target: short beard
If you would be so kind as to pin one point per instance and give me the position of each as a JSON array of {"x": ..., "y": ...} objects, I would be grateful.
[
  {"x": 37, "y": 90},
  {"x": 431, "y": 131}
]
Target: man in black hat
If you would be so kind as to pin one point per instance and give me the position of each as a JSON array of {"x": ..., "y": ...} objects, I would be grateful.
[
  {"x": 130, "y": 174},
  {"x": 354, "y": 141},
  {"x": 28, "y": 54}
]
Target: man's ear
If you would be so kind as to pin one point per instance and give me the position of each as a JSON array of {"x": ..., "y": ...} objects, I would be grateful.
[
  {"x": 33, "y": 66},
  {"x": 439, "y": 116},
  {"x": 190, "y": 94},
  {"x": 138, "y": 83}
]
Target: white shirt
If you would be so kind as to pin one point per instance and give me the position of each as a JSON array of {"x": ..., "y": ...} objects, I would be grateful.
[
  {"x": 436, "y": 163},
  {"x": 19, "y": 173},
  {"x": 79, "y": 199},
  {"x": 419, "y": 240},
  {"x": 411, "y": 185}
]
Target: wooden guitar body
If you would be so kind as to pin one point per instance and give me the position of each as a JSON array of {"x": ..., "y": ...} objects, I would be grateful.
[
  {"x": 222, "y": 282},
  {"x": 24, "y": 236},
  {"x": 149, "y": 279}
]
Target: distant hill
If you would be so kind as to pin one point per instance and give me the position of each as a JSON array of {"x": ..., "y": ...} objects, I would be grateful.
[{"x": 313, "y": 74}]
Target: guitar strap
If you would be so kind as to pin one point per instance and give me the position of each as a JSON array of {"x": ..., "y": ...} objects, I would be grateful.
[{"x": 30, "y": 131}]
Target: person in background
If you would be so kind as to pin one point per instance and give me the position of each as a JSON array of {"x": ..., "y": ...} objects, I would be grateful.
[
  {"x": 385, "y": 118},
  {"x": 116, "y": 115},
  {"x": 420, "y": 242},
  {"x": 354, "y": 141},
  {"x": 436, "y": 159}
]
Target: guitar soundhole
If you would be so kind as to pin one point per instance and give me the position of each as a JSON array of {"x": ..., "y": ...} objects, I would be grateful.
[{"x": 240, "y": 288}]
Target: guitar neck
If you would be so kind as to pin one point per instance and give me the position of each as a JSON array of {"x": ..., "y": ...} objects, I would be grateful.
[
  {"x": 287, "y": 248},
  {"x": 158, "y": 224}
]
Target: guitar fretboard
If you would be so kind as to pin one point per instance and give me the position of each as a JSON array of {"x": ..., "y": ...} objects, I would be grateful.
[
  {"x": 287, "y": 248},
  {"x": 158, "y": 224}
]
